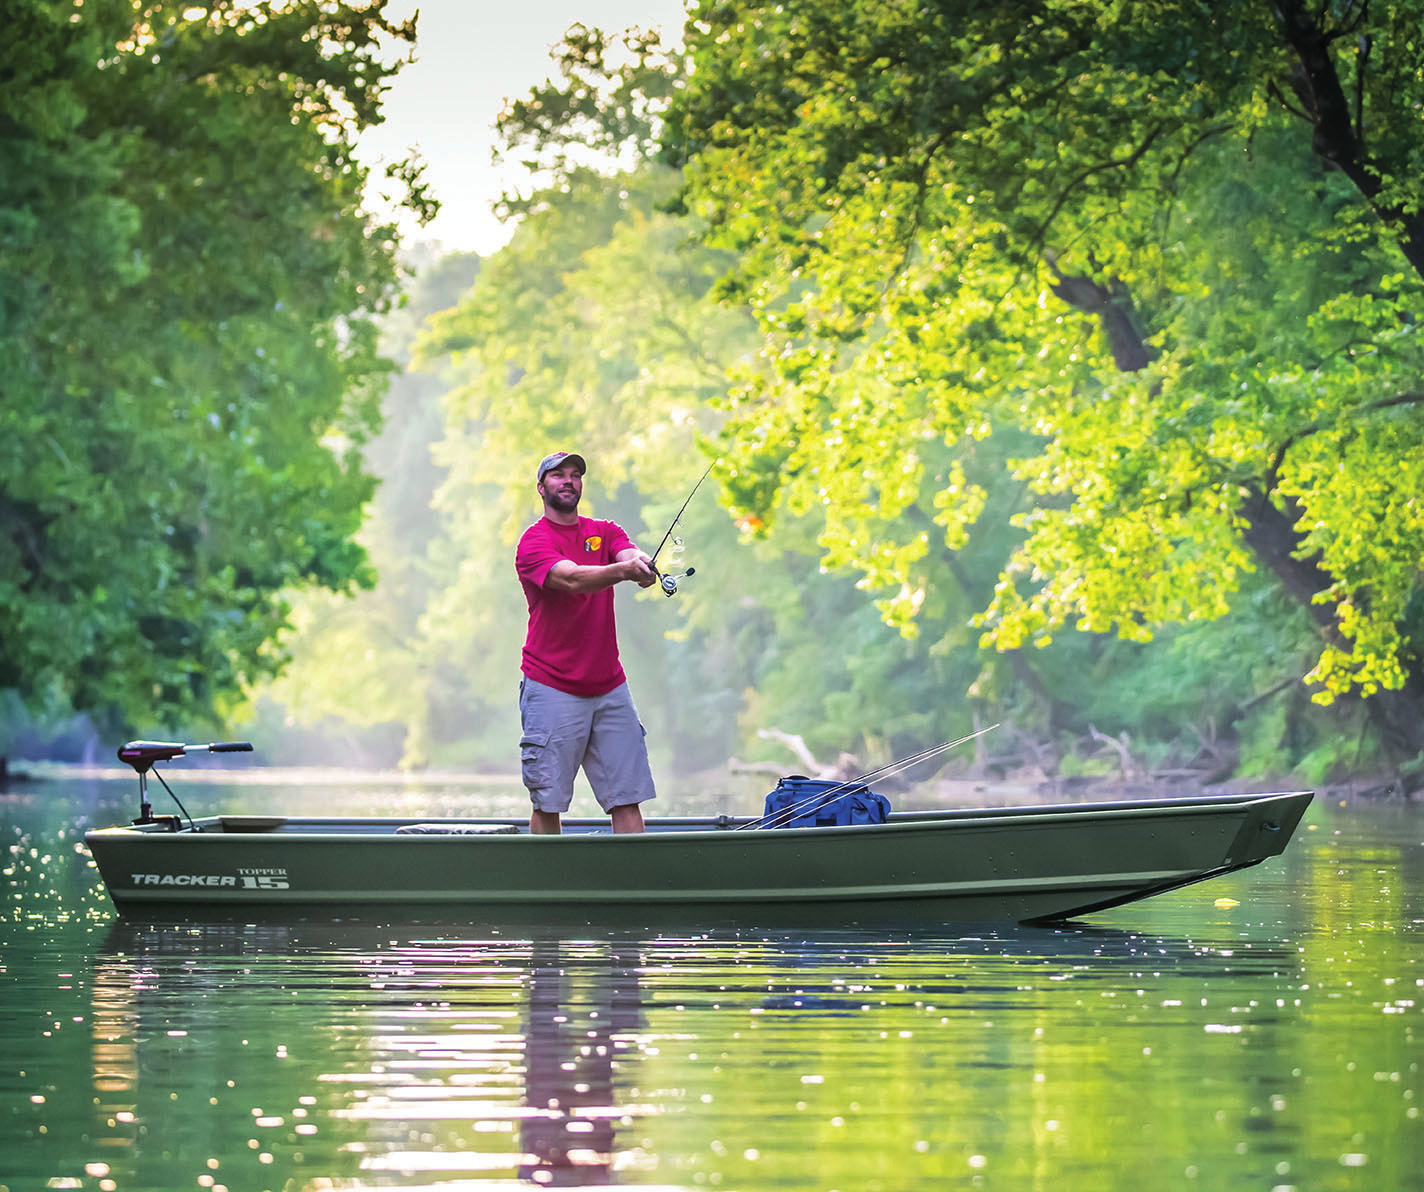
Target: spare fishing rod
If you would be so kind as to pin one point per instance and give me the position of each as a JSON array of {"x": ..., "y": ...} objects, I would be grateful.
[
  {"x": 669, "y": 583},
  {"x": 786, "y": 814}
]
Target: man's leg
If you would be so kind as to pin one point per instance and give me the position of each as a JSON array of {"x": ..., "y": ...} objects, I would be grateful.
[
  {"x": 556, "y": 727},
  {"x": 626, "y": 817},
  {"x": 545, "y": 823},
  {"x": 617, "y": 760}
]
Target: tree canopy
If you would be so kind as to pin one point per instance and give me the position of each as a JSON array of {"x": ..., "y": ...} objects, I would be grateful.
[
  {"x": 1000, "y": 322},
  {"x": 980, "y": 426},
  {"x": 1169, "y": 254},
  {"x": 189, "y": 283}
]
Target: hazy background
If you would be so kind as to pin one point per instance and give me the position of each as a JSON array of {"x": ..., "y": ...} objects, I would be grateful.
[
  {"x": 1107, "y": 454},
  {"x": 472, "y": 57}
]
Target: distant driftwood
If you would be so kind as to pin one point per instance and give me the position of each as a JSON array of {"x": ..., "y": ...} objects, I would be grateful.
[
  {"x": 1201, "y": 762},
  {"x": 844, "y": 767}
]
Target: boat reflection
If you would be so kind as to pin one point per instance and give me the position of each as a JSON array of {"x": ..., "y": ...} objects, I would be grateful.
[
  {"x": 432, "y": 1054},
  {"x": 426, "y": 1055}
]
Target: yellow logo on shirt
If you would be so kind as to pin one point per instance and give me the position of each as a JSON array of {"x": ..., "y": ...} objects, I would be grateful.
[{"x": 593, "y": 542}]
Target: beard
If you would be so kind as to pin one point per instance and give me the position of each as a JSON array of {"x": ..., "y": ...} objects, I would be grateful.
[{"x": 564, "y": 500}]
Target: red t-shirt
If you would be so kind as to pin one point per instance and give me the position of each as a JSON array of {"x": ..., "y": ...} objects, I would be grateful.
[{"x": 572, "y": 643}]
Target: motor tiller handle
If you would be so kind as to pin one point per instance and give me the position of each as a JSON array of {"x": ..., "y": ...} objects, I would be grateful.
[{"x": 142, "y": 754}]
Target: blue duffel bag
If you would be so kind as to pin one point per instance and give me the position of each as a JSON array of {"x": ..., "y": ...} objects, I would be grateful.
[{"x": 801, "y": 802}]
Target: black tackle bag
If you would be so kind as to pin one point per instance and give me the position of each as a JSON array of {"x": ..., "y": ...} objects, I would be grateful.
[{"x": 801, "y": 802}]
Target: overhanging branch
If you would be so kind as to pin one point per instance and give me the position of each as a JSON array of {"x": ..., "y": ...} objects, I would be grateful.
[
  {"x": 1036, "y": 241},
  {"x": 1315, "y": 428}
]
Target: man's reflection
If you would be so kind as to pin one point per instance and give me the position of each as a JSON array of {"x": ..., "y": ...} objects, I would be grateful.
[{"x": 582, "y": 1013}]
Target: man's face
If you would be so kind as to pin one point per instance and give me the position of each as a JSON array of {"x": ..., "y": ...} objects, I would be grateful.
[{"x": 562, "y": 487}]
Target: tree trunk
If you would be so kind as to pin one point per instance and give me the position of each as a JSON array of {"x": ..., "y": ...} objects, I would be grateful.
[
  {"x": 1316, "y": 83},
  {"x": 1115, "y": 313},
  {"x": 1398, "y": 716},
  {"x": 1274, "y": 540},
  {"x": 1270, "y": 533}
]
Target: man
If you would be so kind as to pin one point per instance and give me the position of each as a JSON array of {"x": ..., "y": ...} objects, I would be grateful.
[{"x": 573, "y": 700}]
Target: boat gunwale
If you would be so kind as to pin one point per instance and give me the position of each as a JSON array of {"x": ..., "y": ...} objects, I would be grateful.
[{"x": 683, "y": 828}]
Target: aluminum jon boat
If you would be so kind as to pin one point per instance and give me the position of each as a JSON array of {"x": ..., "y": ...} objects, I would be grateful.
[{"x": 1026, "y": 864}]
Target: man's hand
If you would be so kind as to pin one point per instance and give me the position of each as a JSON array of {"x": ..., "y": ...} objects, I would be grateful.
[{"x": 640, "y": 569}]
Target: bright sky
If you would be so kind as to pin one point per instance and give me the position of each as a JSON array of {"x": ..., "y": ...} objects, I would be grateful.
[{"x": 470, "y": 57}]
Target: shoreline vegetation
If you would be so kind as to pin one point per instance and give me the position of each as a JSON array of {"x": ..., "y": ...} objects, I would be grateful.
[
  {"x": 1102, "y": 767},
  {"x": 1098, "y": 417},
  {"x": 993, "y": 786}
]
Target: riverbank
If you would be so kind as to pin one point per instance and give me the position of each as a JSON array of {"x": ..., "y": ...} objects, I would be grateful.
[
  {"x": 744, "y": 784},
  {"x": 970, "y": 792}
]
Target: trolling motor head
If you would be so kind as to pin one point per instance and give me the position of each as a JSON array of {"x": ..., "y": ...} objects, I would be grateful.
[{"x": 141, "y": 755}]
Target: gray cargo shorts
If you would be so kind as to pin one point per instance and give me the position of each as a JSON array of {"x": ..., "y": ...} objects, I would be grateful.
[{"x": 600, "y": 733}]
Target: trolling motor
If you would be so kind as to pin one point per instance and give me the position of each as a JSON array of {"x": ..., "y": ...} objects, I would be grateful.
[{"x": 141, "y": 755}]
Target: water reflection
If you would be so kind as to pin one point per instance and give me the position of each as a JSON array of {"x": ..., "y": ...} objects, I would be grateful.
[
  {"x": 115, "y": 1030},
  {"x": 571, "y": 1045},
  {"x": 1273, "y": 1041},
  {"x": 433, "y": 1056},
  {"x": 392, "y": 1054}
]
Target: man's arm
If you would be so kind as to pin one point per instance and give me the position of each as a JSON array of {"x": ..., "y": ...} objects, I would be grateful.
[
  {"x": 568, "y": 576},
  {"x": 633, "y": 552}
]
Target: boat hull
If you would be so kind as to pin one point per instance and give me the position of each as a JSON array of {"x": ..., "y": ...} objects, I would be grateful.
[{"x": 1038, "y": 863}]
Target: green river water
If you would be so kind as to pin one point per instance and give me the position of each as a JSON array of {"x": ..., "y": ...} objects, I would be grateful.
[{"x": 1262, "y": 1031}]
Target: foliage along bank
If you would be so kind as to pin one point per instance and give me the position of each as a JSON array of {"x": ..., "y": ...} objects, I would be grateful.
[
  {"x": 977, "y": 424},
  {"x": 1170, "y": 256},
  {"x": 1033, "y": 324},
  {"x": 189, "y": 294}
]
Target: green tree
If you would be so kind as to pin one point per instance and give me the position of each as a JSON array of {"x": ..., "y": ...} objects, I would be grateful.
[
  {"x": 188, "y": 289},
  {"x": 1172, "y": 250},
  {"x": 582, "y": 330},
  {"x": 599, "y": 326},
  {"x": 361, "y": 660}
]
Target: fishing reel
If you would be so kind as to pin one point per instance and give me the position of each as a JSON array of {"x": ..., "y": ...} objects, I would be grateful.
[
  {"x": 668, "y": 583},
  {"x": 668, "y": 580}
]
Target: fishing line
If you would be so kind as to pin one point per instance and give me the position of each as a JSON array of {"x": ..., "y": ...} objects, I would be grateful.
[
  {"x": 786, "y": 814},
  {"x": 669, "y": 583}
]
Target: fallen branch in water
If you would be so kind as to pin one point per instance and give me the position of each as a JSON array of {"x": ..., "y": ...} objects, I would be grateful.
[
  {"x": 793, "y": 742},
  {"x": 845, "y": 767}
]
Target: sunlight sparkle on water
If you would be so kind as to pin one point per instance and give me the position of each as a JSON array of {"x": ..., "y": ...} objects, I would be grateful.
[{"x": 1275, "y": 1048}]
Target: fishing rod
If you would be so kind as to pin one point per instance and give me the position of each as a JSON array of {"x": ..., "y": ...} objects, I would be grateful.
[
  {"x": 787, "y": 814},
  {"x": 669, "y": 583}
]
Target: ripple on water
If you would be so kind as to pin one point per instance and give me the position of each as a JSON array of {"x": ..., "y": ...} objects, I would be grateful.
[{"x": 1274, "y": 1042}]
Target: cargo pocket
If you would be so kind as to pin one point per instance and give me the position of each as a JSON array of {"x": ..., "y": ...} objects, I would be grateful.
[{"x": 534, "y": 761}]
